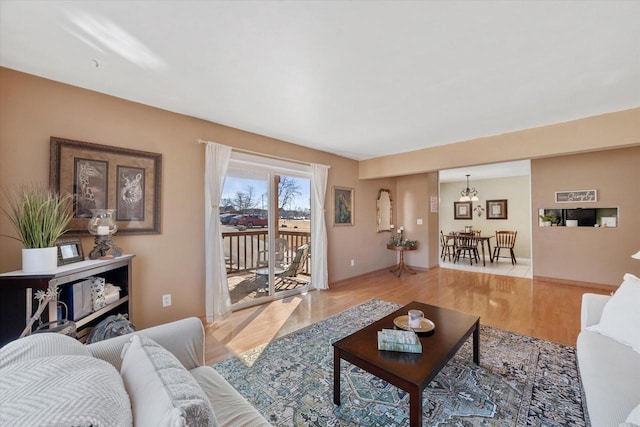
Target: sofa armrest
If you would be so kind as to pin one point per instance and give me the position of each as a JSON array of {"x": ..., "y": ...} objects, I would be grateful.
[
  {"x": 184, "y": 338},
  {"x": 592, "y": 306}
]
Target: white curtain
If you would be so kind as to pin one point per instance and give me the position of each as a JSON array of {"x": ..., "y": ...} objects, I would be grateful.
[
  {"x": 217, "y": 301},
  {"x": 319, "y": 272}
]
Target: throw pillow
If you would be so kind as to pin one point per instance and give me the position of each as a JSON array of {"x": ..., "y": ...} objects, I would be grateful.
[
  {"x": 621, "y": 316},
  {"x": 57, "y": 391},
  {"x": 162, "y": 391}
]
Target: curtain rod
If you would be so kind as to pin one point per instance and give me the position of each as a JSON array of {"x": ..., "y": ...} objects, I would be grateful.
[{"x": 255, "y": 153}]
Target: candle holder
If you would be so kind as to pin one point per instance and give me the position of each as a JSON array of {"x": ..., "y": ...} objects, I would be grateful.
[
  {"x": 392, "y": 239},
  {"x": 103, "y": 226}
]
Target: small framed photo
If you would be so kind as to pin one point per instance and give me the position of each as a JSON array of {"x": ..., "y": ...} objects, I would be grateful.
[
  {"x": 69, "y": 251},
  {"x": 462, "y": 210},
  {"x": 343, "y": 209},
  {"x": 497, "y": 209}
]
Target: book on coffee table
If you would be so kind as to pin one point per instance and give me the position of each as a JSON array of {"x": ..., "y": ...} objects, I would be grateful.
[{"x": 403, "y": 341}]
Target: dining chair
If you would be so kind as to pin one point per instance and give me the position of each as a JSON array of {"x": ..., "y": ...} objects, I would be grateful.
[
  {"x": 448, "y": 246},
  {"x": 505, "y": 240},
  {"x": 476, "y": 233},
  {"x": 465, "y": 245}
]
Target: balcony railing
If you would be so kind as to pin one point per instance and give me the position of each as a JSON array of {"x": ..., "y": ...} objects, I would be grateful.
[{"x": 243, "y": 249}]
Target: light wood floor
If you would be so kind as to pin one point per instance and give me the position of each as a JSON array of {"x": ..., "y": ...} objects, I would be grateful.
[{"x": 536, "y": 308}]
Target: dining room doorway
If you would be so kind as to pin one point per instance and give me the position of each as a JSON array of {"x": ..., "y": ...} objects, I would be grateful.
[{"x": 509, "y": 183}]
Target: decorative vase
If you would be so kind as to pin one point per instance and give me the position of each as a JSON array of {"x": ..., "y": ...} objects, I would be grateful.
[
  {"x": 103, "y": 225},
  {"x": 39, "y": 259}
]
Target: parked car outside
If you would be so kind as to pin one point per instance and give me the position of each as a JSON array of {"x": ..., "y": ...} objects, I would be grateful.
[
  {"x": 234, "y": 219},
  {"x": 251, "y": 221},
  {"x": 225, "y": 217}
]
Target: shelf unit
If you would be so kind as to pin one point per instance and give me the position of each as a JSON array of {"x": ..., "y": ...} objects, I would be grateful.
[
  {"x": 18, "y": 288},
  {"x": 606, "y": 217}
]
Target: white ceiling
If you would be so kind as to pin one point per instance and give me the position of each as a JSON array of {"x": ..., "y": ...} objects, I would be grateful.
[{"x": 361, "y": 79}]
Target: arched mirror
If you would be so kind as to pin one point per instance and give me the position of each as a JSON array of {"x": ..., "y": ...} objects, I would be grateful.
[{"x": 384, "y": 210}]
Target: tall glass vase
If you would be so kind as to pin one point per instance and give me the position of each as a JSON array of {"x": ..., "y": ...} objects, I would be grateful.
[{"x": 103, "y": 225}]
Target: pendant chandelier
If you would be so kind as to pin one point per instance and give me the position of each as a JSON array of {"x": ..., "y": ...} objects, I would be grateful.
[{"x": 469, "y": 194}]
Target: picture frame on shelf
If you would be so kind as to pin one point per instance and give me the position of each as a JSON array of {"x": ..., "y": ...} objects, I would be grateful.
[
  {"x": 497, "y": 209},
  {"x": 69, "y": 251},
  {"x": 105, "y": 177},
  {"x": 343, "y": 206},
  {"x": 462, "y": 210}
]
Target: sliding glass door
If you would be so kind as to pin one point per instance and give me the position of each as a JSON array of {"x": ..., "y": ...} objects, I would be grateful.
[
  {"x": 293, "y": 271},
  {"x": 266, "y": 229}
]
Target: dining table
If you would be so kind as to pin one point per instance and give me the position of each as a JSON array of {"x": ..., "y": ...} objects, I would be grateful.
[{"x": 481, "y": 242}]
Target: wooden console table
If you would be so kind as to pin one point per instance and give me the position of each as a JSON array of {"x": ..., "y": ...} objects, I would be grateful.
[{"x": 401, "y": 265}]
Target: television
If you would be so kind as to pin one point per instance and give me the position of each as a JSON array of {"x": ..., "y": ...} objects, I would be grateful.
[{"x": 585, "y": 217}]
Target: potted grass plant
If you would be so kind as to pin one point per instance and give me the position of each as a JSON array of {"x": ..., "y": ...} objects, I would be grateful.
[
  {"x": 547, "y": 219},
  {"x": 39, "y": 216}
]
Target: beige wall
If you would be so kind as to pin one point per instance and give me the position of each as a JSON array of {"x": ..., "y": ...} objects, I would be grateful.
[
  {"x": 360, "y": 243},
  {"x": 574, "y": 255},
  {"x": 606, "y": 131},
  {"x": 517, "y": 192},
  {"x": 413, "y": 194},
  {"x": 434, "y": 219},
  {"x": 34, "y": 109},
  {"x": 412, "y": 206},
  {"x": 597, "y": 255}
]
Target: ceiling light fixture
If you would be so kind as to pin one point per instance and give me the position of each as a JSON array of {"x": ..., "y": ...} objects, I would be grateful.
[
  {"x": 636, "y": 255},
  {"x": 469, "y": 194}
]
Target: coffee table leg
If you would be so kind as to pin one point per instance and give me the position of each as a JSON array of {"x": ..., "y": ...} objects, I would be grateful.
[
  {"x": 415, "y": 408},
  {"x": 336, "y": 376},
  {"x": 476, "y": 344}
]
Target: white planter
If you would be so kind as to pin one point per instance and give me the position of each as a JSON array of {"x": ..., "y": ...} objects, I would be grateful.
[{"x": 39, "y": 259}]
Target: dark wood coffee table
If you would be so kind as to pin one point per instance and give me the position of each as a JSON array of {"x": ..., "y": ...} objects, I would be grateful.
[{"x": 410, "y": 372}]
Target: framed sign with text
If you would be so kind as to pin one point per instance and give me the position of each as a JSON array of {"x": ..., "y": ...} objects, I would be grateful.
[{"x": 576, "y": 196}]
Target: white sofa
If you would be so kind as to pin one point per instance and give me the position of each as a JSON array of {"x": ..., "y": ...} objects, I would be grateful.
[
  {"x": 610, "y": 370},
  {"x": 22, "y": 394}
]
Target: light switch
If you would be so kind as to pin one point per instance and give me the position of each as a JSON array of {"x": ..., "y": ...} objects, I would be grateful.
[{"x": 419, "y": 221}]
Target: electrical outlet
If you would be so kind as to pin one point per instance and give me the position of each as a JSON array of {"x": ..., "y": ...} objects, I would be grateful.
[
  {"x": 353, "y": 263},
  {"x": 166, "y": 300}
]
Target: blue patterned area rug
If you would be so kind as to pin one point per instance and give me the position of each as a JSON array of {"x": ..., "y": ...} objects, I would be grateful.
[{"x": 521, "y": 381}]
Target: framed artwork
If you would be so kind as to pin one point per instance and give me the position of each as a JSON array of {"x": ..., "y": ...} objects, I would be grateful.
[
  {"x": 130, "y": 203},
  {"x": 343, "y": 206},
  {"x": 462, "y": 210},
  {"x": 497, "y": 209},
  {"x": 105, "y": 177},
  {"x": 69, "y": 251}
]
